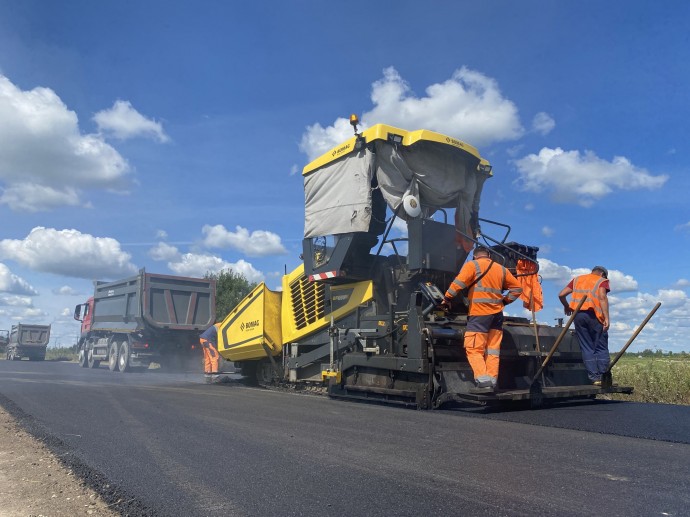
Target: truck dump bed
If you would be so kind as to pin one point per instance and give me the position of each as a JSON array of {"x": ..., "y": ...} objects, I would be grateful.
[
  {"x": 30, "y": 335},
  {"x": 154, "y": 301},
  {"x": 28, "y": 341}
]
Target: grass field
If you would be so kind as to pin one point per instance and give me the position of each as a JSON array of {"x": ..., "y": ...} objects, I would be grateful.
[{"x": 664, "y": 380}]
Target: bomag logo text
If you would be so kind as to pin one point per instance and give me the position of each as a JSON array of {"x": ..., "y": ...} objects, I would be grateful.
[
  {"x": 249, "y": 325},
  {"x": 341, "y": 298},
  {"x": 453, "y": 141},
  {"x": 340, "y": 150}
]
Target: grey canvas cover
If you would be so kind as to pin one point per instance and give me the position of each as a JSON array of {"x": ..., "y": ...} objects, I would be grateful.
[{"x": 338, "y": 195}]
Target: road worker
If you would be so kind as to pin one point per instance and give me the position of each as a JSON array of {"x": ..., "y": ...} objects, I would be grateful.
[
  {"x": 209, "y": 344},
  {"x": 486, "y": 282},
  {"x": 592, "y": 321}
]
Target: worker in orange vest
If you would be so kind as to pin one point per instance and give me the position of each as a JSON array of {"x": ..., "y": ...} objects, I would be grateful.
[
  {"x": 487, "y": 282},
  {"x": 592, "y": 322},
  {"x": 209, "y": 344}
]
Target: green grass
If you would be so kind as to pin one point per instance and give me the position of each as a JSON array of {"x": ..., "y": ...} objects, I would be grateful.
[
  {"x": 61, "y": 354},
  {"x": 661, "y": 380}
]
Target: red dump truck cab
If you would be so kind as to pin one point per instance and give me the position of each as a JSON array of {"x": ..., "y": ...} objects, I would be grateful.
[{"x": 82, "y": 312}]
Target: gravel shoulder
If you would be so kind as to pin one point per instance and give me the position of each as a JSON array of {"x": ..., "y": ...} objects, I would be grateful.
[{"x": 34, "y": 482}]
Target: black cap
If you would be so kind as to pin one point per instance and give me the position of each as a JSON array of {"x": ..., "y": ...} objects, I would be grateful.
[{"x": 604, "y": 271}]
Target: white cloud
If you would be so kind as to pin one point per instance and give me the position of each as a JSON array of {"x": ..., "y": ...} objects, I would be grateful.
[
  {"x": 672, "y": 297},
  {"x": 161, "y": 234},
  {"x": 16, "y": 301},
  {"x": 163, "y": 251},
  {"x": 683, "y": 227},
  {"x": 543, "y": 123},
  {"x": 195, "y": 265},
  {"x": 620, "y": 282},
  {"x": 400, "y": 225},
  {"x": 11, "y": 283},
  {"x": 28, "y": 197},
  {"x": 572, "y": 177},
  {"x": 562, "y": 275},
  {"x": 294, "y": 170},
  {"x": 529, "y": 207},
  {"x": 257, "y": 244},
  {"x": 32, "y": 314},
  {"x": 547, "y": 231},
  {"x": 551, "y": 271},
  {"x": 66, "y": 290},
  {"x": 468, "y": 106},
  {"x": 66, "y": 313},
  {"x": 69, "y": 253},
  {"x": 44, "y": 156},
  {"x": 122, "y": 121},
  {"x": 683, "y": 283}
]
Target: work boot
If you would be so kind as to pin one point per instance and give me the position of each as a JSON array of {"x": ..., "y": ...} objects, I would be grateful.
[
  {"x": 207, "y": 378},
  {"x": 486, "y": 390},
  {"x": 597, "y": 383}
]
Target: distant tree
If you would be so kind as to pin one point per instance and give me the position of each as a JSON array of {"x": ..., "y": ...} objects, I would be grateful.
[{"x": 231, "y": 287}]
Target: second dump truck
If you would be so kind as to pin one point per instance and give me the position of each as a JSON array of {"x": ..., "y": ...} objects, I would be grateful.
[
  {"x": 145, "y": 318},
  {"x": 30, "y": 341}
]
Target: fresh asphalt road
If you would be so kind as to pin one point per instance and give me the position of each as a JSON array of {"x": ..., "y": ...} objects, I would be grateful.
[{"x": 183, "y": 448}]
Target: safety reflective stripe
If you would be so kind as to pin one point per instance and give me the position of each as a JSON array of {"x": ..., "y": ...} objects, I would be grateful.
[
  {"x": 592, "y": 301},
  {"x": 454, "y": 292},
  {"x": 487, "y": 300},
  {"x": 492, "y": 351},
  {"x": 483, "y": 289},
  {"x": 597, "y": 307},
  {"x": 480, "y": 288},
  {"x": 460, "y": 284}
]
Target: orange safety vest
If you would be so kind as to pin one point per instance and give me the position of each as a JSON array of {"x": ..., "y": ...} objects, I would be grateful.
[
  {"x": 532, "y": 294},
  {"x": 588, "y": 285},
  {"x": 486, "y": 295}
]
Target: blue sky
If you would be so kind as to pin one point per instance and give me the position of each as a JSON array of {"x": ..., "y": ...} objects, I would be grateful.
[{"x": 171, "y": 136}]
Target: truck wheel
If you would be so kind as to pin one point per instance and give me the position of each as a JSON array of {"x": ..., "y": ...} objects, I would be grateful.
[
  {"x": 93, "y": 363},
  {"x": 123, "y": 360},
  {"x": 114, "y": 356},
  {"x": 82, "y": 358}
]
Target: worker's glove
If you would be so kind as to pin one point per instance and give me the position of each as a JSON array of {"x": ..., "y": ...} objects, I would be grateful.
[{"x": 445, "y": 305}]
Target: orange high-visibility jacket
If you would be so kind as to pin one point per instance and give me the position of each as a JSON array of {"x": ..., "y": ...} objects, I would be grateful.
[
  {"x": 588, "y": 285},
  {"x": 485, "y": 296},
  {"x": 532, "y": 294}
]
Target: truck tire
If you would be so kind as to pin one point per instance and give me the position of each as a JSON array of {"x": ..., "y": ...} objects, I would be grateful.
[
  {"x": 82, "y": 358},
  {"x": 93, "y": 363},
  {"x": 114, "y": 356},
  {"x": 123, "y": 359}
]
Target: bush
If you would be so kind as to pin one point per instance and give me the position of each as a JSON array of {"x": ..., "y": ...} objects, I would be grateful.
[{"x": 61, "y": 353}]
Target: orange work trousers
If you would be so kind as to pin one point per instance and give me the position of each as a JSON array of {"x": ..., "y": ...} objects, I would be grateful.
[
  {"x": 211, "y": 357},
  {"x": 483, "y": 353}
]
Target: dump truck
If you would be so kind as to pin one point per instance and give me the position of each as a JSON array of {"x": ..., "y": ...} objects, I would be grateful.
[
  {"x": 143, "y": 319},
  {"x": 361, "y": 314},
  {"x": 28, "y": 341}
]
